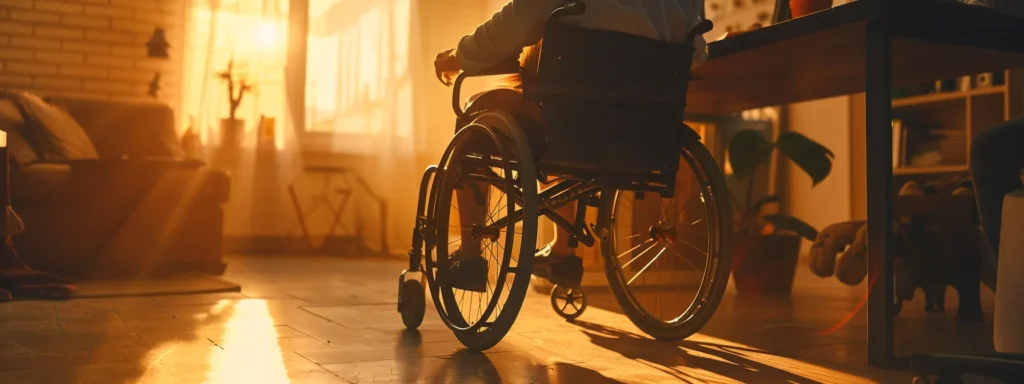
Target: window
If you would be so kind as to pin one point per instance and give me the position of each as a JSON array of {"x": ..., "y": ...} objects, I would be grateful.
[{"x": 358, "y": 85}]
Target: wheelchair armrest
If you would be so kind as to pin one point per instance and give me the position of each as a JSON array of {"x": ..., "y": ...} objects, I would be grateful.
[
  {"x": 702, "y": 27},
  {"x": 506, "y": 67},
  {"x": 573, "y": 8}
]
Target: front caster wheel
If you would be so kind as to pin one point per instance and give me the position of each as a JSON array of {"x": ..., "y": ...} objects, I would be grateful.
[
  {"x": 413, "y": 303},
  {"x": 569, "y": 303}
]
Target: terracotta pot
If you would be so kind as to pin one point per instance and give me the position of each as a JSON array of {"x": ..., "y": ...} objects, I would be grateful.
[
  {"x": 765, "y": 265},
  {"x": 800, "y": 8},
  {"x": 231, "y": 132},
  {"x": 227, "y": 153}
]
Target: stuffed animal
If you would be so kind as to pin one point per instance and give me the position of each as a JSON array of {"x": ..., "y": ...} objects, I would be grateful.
[
  {"x": 848, "y": 238},
  {"x": 930, "y": 253}
]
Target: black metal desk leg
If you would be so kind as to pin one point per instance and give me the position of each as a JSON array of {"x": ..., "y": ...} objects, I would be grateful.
[{"x": 879, "y": 193}]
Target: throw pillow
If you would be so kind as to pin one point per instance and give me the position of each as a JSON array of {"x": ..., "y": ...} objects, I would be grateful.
[
  {"x": 12, "y": 122},
  {"x": 54, "y": 132}
]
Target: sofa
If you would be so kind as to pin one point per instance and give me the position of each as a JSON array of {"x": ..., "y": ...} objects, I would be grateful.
[{"x": 104, "y": 189}]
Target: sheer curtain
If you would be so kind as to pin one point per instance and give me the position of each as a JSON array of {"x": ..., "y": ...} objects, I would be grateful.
[
  {"x": 372, "y": 104},
  {"x": 260, "y": 152},
  {"x": 359, "y": 112}
]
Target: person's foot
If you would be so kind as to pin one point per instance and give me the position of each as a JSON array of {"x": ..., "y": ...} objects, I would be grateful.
[
  {"x": 465, "y": 272},
  {"x": 563, "y": 270}
]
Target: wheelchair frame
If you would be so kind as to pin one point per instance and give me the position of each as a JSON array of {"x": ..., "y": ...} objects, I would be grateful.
[{"x": 590, "y": 187}]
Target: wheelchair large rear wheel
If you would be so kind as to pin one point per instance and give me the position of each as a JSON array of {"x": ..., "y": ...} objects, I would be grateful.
[
  {"x": 667, "y": 259},
  {"x": 490, "y": 163}
]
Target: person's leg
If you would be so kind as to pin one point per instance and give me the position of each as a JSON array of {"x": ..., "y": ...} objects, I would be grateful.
[
  {"x": 560, "y": 247},
  {"x": 468, "y": 268},
  {"x": 472, "y": 213},
  {"x": 997, "y": 157},
  {"x": 556, "y": 263}
]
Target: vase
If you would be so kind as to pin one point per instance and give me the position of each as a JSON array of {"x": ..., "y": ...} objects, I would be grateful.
[
  {"x": 231, "y": 131},
  {"x": 765, "y": 265},
  {"x": 800, "y": 8},
  {"x": 227, "y": 153}
]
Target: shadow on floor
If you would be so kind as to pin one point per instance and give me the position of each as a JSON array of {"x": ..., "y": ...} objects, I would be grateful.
[
  {"x": 94, "y": 341},
  {"x": 466, "y": 364},
  {"x": 720, "y": 359}
]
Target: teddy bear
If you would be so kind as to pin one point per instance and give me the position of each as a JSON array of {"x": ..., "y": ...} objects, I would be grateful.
[{"x": 929, "y": 253}]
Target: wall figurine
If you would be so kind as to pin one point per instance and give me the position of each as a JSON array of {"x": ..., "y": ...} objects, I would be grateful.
[{"x": 157, "y": 45}]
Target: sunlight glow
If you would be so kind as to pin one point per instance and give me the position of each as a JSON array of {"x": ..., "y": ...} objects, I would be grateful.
[
  {"x": 252, "y": 35},
  {"x": 250, "y": 352},
  {"x": 357, "y": 72},
  {"x": 268, "y": 35}
]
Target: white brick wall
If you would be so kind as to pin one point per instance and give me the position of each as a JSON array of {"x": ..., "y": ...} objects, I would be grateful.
[{"x": 90, "y": 47}]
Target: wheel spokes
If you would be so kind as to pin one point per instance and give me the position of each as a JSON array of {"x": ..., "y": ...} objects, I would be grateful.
[
  {"x": 681, "y": 226},
  {"x": 646, "y": 266}
]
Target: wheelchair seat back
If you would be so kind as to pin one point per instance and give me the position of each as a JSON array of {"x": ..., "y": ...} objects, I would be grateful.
[{"x": 612, "y": 103}]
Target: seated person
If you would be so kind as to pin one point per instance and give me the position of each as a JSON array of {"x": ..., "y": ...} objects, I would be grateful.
[
  {"x": 520, "y": 24},
  {"x": 997, "y": 160}
]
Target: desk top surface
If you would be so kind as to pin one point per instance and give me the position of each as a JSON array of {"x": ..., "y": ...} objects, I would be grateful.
[{"x": 823, "y": 54}]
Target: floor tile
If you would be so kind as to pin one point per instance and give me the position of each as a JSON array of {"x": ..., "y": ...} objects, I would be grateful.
[{"x": 312, "y": 319}]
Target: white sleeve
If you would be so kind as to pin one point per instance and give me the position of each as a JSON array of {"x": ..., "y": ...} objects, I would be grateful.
[
  {"x": 518, "y": 24},
  {"x": 700, "y": 54}
]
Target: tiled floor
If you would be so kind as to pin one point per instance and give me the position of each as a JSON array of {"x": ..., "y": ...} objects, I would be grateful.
[{"x": 328, "y": 320}]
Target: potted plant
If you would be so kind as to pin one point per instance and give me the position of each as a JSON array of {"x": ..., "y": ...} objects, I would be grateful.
[
  {"x": 767, "y": 247},
  {"x": 231, "y": 128}
]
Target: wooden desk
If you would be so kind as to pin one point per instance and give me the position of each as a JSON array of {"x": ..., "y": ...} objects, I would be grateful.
[{"x": 860, "y": 47}]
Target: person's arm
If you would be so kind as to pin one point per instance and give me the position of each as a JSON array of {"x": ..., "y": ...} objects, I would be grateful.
[
  {"x": 700, "y": 54},
  {"x": 518, "y": 24},
  {"x": 700, "y": 45}
]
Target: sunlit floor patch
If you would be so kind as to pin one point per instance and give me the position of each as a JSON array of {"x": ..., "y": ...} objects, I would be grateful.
[{"x": 252, "y": 353}]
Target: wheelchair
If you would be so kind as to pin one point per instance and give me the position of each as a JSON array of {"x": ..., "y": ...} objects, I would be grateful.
[{"x": 613, "y": 133}]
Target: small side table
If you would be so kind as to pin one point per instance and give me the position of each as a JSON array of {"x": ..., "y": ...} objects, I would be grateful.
[{"x": 349, "y": 180}]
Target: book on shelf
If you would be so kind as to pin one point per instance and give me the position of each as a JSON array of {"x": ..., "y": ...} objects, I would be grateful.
[
  {"x": 919, "y": 144},
  {"x": 899, "y": 140}
]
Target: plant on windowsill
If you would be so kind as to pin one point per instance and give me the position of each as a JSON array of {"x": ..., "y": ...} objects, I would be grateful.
[
  {"x": 231, "y": 128},
  {"x": 767, "y": 246}
]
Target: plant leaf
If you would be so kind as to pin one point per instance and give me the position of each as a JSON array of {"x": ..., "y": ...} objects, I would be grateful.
[
  {"x": 809, "y": 155},
  {"x": 765, "y": 201},
  {"x": 747, "y": 150},
  {"x": 749, "y": 218},
  {"x": 791, "y": 223}
]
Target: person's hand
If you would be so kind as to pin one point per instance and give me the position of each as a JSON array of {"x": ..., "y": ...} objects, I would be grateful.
[{"x": 447, "y": 65}]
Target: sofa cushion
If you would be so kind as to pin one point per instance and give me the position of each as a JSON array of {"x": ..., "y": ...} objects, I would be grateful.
[
  {"x": 54, "y": 134},
  {"x": 102, "y": 182},
  {"x": 56, "y": 186},
  {"x": 124, "y": 127},
  {"x": 12, "y": 122}
]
